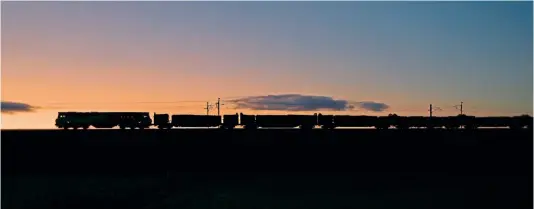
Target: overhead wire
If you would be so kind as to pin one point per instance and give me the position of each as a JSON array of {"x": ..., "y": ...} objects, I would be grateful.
[{"x": 176, "y": 104}]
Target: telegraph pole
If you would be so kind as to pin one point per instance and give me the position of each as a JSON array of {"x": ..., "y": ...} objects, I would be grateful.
[
  {"x": 461, "y": 107},
  {"x": 219, "y": 106},
  {"x": 207, "y": 108},
  {"x": 430, "y": 110}
]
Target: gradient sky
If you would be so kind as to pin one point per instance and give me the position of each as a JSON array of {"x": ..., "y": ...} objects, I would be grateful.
[{"x": 97, "y": 56}]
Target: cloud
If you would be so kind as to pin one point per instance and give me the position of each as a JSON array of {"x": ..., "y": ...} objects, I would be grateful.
[
  {"x": 298, "y": 102},
  {"x": 372, "y": 106},
  {"x": 15, "y": 107}
]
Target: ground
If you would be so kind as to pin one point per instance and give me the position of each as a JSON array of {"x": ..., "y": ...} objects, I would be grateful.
[{"x": 267, "y": 169}]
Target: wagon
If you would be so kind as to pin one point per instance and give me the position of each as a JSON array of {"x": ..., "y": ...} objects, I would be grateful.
[{"x": 196, "y": 121}]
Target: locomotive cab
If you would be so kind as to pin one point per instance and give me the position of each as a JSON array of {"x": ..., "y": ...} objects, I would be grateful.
[
  {"x": 73, "y": 120},
  {"x": 61, "y": 120},
  {"x": 135, "y": 120},
  {"x": 144, "y": 120}
]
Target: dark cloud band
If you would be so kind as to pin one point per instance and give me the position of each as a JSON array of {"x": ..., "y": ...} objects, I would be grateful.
[
  {"x": 298, "y": 102},
  {"x": 15, "y": 107}
]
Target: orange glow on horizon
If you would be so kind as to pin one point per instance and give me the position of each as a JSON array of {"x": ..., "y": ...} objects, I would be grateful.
[{"x": 45, "y": 118}]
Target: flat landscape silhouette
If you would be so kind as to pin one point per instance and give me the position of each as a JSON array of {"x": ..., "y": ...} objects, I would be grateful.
[{"x": 178, "y": 168}]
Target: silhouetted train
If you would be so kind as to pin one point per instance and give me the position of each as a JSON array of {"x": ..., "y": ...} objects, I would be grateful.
[
  {"x": 103, "y": 120},
  {"x": 142, "y": 120}
]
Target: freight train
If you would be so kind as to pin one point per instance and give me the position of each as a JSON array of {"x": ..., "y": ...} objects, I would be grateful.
[{"x": 142, "y": 120}]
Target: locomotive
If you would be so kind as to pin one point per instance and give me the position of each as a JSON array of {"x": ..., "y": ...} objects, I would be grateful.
[
  {"x": 142, "y": 120},
  {"x": 84, "y": 120}
]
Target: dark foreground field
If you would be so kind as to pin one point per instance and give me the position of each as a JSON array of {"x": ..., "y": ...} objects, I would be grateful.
[{"x": 203, "y": 169}]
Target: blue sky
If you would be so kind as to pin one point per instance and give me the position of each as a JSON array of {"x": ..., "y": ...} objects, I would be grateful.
[{"x": 401, "y": 53}]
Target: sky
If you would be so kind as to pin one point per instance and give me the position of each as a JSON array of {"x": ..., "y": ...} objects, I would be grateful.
[{"x": 356, "y": 58}]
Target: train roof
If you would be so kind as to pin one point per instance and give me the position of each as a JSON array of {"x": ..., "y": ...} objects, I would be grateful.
[
  {"x": 196, "y": 115},
  {"x": 356, "y": 115},
  {"x": 104, "y": 113},
  {"x": 242, "y": 114}
]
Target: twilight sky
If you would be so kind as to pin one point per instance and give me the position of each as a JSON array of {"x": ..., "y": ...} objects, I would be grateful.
[{"x": 275, "y": 57}]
